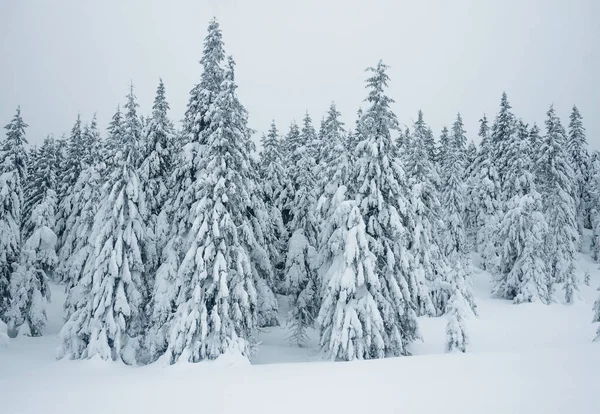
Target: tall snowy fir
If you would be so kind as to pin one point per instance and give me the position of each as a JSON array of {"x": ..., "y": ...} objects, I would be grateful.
[
  {"x": 484, "y": 211},
  {"x": 579, "y": 160},
  {"x": 334, "y": 168},
  {"x": 522, "y": 274},
  {"x": 301, "y": 261},
  {"x": 29, "y": 280},
  {"x": 186, "y": 187},
  {"x": 274, "y": 190},
  {"x": 42, "y": 179},
  {"x": 560, "y": 209},
  {"x": 157, "y": 147},
  {"x": 458, "y": 297},
  {"x": 594, "y": 203},
  {"x": 80, "y": 153},
  {"x": 215, "y": 299},
  {"x": 383, "y": 196},
  {"x": 428, "y": 261},
  {"x": 501, "y": 132},
  {"x": 13, "y": 179},
  {"x": 107, "y": 319}
]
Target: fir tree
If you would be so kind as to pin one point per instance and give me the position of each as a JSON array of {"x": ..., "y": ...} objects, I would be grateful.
[
  {"x": 78, "y": 155},
  {"x": 429, "y": 263},
  {"x": 108, "y": 319},
  {"x": 559, "y": 206},
  {"x": 155, "y": 171},
  {"x": 454, "y": 240},
  {"x": 301, "y": 260},
  {"x": 382, "y": 194},
  {"x": 29, "y": 280},
  {"x": 274, "y": 190},
  {"x": 13, "y": 178},
  {"x": 501, "y": 132},
  {"x": 42, "y": 178},
  {"x": 522, "y": 271},
  {"x": 290, "y": 144},
  {"x": 579, "y": 159},
  {"x": 334, "y": 169},
  {"x": 484, "y": 193},
  {"x": 350, "y": 322},
  {"x": 594, "y": 190}
]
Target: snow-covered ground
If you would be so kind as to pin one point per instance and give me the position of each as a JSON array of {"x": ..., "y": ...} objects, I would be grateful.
[{"x": 528, "y": 358}]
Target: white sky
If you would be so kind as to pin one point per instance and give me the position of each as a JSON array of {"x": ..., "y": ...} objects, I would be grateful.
[{"x": 61, "y": 57}]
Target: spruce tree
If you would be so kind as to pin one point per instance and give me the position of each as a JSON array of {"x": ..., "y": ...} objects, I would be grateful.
[
  {"x": 158, "y": 146},
  {"x": 274, "y": 191},
  {"x": 559, "y": 206},
  {"x": 301, "y": 260},
  {"x": 596, "y": 317},
  {"x": 382, "y": 194},
  {"x": 290, "y": 144},
  {"x": 522, "y": 271},
  {"x": 186, "y": 187},
  {"x": 42, "y": 177},
  {"x": 13, "y": 178},
  {"x": 29, "y": 281},
  {"x": 214, "y": 296},
  {"x": 429, "y": 263},
  {"x": 579, "y": 159},
  {"x": 454, "y": 239},
  {"x": 484, "y": 191},
  {"x": 351, "y": 326},
  {"x": 75, "y": 154},
  {"x": 334, "y": 169},
  {"x": 108, "y": 318},
  {"x": 503, "y": 128},
  {"x": 594, "y": 202}
]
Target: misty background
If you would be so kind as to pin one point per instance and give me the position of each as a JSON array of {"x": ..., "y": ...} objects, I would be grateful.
[{"x": 64, "y": 57}]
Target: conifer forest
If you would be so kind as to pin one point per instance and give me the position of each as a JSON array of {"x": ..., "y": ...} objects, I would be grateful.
[{"x": 161, "y": 242}]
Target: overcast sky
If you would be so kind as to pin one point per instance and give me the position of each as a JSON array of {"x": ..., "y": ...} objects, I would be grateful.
[{"x": 61, "y": 57}]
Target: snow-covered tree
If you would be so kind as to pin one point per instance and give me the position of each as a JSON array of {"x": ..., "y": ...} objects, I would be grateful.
[
  {"x": 158, "y": 146},
  {"x": 107, "y": 319},
  {"x": 429, "y": 262},
  {"x": 484, "y": 194},
  {"x": 350, "y": 323},
  {"x": 503, "y": 128},
  {"x": 382, "y": 194},
  {"x": 29, "y": 281},
  {"x": 458, "y": 311},
  {"x": 75, "y": 256},
  {"x": 556, "y": 178},
  {"x": 212, "y": 304},
  {"x": 334, "y": 169},
  {"x": 10, "y": 242},
  {"x": 301, "y": 260},
  {"x": 80, "y": 153},
  {"x": 13, "y": 177},
  {"x": 289, "y": 146},
  {"x": 43, "y": 169},
  {"x": 594, "y": 203},
  {"x": 274, "y": 189},
  {"x": 579, "y": 159},
  {"x": 522, "y": 274}
]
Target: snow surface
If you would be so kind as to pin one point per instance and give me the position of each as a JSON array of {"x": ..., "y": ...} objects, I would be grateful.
[{"x": 528, "y": 358}]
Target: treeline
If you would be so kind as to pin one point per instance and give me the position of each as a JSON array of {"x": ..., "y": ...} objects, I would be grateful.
[{"x": 178, "y": 244}]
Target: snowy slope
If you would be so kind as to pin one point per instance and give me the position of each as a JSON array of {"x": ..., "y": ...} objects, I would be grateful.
[{"x": 529, "y": 358}]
